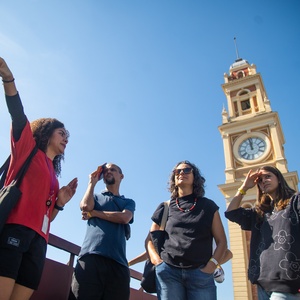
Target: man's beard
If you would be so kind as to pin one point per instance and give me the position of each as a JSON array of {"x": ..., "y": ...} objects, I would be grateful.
[{"x": 110, "y": 181}]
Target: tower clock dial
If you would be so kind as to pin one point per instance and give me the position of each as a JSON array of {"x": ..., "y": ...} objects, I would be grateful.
[{"x": 252, "y": 148}]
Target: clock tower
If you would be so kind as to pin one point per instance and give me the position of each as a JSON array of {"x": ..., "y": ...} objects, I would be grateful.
[{"x": 252, "y": 137}]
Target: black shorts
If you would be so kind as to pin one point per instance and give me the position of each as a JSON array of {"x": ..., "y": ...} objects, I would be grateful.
[{"x": 22, "y": 255}]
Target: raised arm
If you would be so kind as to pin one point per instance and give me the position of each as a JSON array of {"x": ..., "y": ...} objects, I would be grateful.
[
  {"x": 87, "y": 206},
  {"x": 7, "y": 78},
  {"x": 249, "y": 182},
  {"x": 87, "y": 203},
  {"x": 13, "y": 100}
]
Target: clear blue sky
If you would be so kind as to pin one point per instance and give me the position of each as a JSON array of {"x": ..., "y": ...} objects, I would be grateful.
[{"x": 138, "y": 83}]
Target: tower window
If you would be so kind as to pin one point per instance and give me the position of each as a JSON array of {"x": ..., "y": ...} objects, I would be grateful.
[
  {"x": 245, "y": 104},
  {"x": 240, "y": 74}
]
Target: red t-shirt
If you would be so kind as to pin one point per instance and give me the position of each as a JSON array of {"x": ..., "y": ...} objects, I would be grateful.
[{"x": 39, "y": 179}]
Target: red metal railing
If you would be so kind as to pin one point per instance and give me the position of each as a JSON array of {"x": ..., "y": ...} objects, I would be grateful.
[{"x": 56, "y": 279}]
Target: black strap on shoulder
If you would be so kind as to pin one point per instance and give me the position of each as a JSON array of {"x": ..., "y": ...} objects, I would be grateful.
[
  {"x": 21, "y": 172},
  {"x": 3, "y": 171},
  {"x": 25, "y": 166}
]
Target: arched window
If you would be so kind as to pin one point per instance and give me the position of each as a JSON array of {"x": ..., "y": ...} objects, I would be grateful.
[
  {"x": 240, "y": 74},
  {"x": 244, "y": 100}
]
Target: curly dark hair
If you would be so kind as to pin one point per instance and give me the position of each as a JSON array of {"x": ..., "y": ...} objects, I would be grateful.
[
  {"x": 198, "y": 185},
  {"x": 42, "y": 130},
  {"x": 264, "y": 203}
]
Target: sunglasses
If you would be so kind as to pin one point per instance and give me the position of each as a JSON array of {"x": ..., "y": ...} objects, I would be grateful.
[
  {"x": 185, "y": 171},
  {"x": 109, "y": 169}
]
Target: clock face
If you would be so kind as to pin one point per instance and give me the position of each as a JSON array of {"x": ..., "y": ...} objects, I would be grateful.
[{"x": 252, "y": 148}]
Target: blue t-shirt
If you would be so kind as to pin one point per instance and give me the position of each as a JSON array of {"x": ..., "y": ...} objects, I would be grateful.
[{"x": 107, "y": 238}]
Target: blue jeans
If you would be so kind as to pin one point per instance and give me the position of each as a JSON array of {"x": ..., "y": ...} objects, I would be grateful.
[
  {"x": 264, "y": 295},
  {"x": 184, "y": 284}
]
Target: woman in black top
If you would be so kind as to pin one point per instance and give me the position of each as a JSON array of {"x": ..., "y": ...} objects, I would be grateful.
[
  {"x": 185, "y": 267},
  {"x": 274, "y": 222}
]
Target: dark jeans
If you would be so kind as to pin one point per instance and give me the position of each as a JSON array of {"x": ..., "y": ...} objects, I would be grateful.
[{"x": 100, "y": 278}]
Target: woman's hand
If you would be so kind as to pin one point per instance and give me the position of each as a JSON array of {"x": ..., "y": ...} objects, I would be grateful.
[
  {"x": 5, "y": 72},
  {"x": 67, "y": 192},
  {"x": 250, "y": 180},
  {"x": 157, "y": 262},
  {"x": 209, "y": 268},
  {"x": 7, "y": 78}
]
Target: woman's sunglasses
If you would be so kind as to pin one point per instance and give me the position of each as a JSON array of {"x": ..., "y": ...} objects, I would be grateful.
[{"x": 185, "y": 171}]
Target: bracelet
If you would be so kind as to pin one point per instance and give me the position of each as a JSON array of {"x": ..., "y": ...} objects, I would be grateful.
[
  {"x": 214, "y": 261},
  {"x": 242, "y": 192},
  {"x": 8, "y": 81},
  {"x": 58, "y": 207}
]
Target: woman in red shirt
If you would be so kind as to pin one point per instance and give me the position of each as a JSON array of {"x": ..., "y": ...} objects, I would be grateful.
[{"x": 23, "y": 240}]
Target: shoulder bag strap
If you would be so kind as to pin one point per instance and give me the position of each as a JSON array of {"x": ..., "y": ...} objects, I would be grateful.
[
  {"x": 25, "y": 166},
  {"x": 165, "y": 215},
  {"x": 3, "y": 171},
  {"x": 5, "y": 165}
]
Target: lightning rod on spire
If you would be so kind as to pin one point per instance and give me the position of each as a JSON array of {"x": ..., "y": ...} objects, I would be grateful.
[{"x": 236, "y": 48}]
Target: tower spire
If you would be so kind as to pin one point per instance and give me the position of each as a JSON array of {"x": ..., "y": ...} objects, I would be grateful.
[{"x": 236, "y": 49}]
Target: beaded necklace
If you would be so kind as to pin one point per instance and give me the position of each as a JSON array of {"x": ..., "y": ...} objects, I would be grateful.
[{"x": 188, "y": 209}]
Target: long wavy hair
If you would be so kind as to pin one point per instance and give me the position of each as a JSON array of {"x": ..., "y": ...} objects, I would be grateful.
[
  {"x": 198, "y": 184},
  {"x": 42, "y": 130},
  {"x": 264, "y": 203}
]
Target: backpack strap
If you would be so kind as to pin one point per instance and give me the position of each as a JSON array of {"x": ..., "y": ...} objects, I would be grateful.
[{"x": 165, "y": 215}]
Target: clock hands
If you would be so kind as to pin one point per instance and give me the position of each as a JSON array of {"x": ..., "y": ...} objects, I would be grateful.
[
  {"x": 252, "y": 148},
  {"x": 251, "y": 143}
]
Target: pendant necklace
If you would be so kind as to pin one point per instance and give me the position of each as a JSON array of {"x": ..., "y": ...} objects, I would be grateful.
[
  {"x": 51, "y": 193},
  {"x": 188, "y": 209}
]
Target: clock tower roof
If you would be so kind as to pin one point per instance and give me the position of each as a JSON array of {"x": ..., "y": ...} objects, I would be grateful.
[
  {"x": 238, "y": 63},
  {"x": 239, "y": 69}
]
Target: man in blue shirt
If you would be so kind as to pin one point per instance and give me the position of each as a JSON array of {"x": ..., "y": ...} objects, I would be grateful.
[{"x": 102, "y": 271}]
